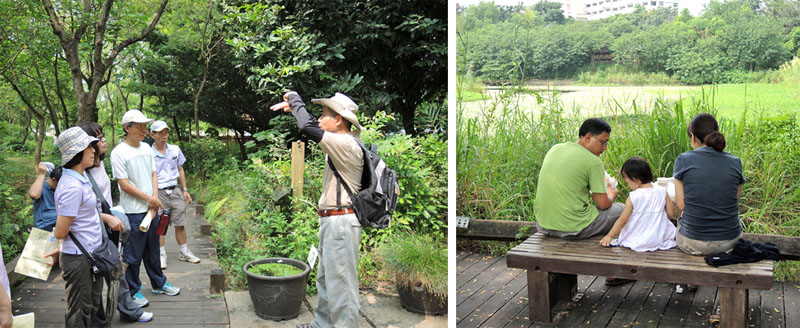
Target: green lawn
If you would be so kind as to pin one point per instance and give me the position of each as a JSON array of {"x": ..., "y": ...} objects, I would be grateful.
[
  {"x": 467, "y": 96},
  {"x": 732, "y": 100}
]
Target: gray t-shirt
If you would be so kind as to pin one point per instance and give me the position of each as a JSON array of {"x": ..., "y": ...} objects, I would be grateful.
[{"x": 710, "y": 183}]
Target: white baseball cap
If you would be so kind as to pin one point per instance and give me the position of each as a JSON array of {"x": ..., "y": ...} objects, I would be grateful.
[
  {"x": 342, "y": 105},
  {"x": 135, "y": 116},
  {"x": 158, "y": 126}
]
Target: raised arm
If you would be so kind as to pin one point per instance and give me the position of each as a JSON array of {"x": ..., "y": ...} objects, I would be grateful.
[
  {"x": 307, "y": 123},
  {"x": 36, "y": 188},
  {"x": 605, "y": 200}
]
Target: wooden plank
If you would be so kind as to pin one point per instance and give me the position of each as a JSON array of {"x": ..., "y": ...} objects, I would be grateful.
[
  {"x": 489, "y": 308},
  {"x": 772, "y": 307},
  {"x": 497, "y": 230},
  {"x": 607, "y": 306},
  {"x": 585, "y": 305},
  {"x": 494, "y": 283},
  {"x": 467, "y": 278},
  {"x": 791, "y": 303},
  {"x": 677, "y": 309},
  {"x": 733, "y": 307},
  {"x": 506, "y": 313},
  {"x": 753, "y": 307},
  {"x": 702, "y": 307},
  {"x": 654, "y": 306},
  {"x": 298, "y": 158},
  {"x": 630, "y": 306},
  {"x": 515, "y": 230}
]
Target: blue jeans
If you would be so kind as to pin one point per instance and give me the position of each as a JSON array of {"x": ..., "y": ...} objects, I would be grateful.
[{"x": 142, "y": 246}]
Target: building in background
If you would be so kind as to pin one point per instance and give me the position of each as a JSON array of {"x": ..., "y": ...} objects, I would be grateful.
[{"x": 597, "y": 9}]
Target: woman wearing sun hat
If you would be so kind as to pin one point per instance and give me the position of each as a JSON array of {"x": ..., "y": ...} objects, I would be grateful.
[{"x": 76, "y": 205}]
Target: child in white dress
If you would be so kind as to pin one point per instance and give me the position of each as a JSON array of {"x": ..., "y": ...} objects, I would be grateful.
[{"x": 644, "y": 224}]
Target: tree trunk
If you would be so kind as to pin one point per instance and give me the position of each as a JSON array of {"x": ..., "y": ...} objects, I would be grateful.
[
  {"x": 98, "y": 65},
  {"x": 34, "y": 112},
  {"x": 39, "y": 140},
  {"x": 60, "y": 95},
  {"x": 177, "y": 129},
  {"x": 197, "y": 98}
]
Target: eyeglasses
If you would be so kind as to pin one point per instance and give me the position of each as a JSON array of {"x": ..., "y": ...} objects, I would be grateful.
[{"x": 605, "y": 143}]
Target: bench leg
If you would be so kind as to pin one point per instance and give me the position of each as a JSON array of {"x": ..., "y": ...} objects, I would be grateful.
[
  {"x": 733, "y": 307},
  {"x": 546, "y": 289}
]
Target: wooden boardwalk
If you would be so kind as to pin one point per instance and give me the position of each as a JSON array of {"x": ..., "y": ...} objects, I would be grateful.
[
  {"x": 491, "y": 295},
  {"x": 194, "y": 307}
]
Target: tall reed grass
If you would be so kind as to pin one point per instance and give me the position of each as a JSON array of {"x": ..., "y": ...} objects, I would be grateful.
[{"x": 500, "y": 152}]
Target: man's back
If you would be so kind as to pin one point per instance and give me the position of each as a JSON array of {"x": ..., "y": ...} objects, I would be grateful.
[{"x": 569, "y": 171}]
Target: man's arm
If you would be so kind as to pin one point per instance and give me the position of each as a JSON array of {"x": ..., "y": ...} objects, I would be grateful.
[
  {"x": 182, "y": 180},
  {"x": 605, "y": 200},
  {"x": 36, "y": 188},
  {"x": 130, "y": 189},
  {"x": 307, "y": 123},
  {"x": 6, "y": 318}
]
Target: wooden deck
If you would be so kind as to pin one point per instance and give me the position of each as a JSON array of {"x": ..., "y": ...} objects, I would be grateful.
[
  {"x": 194, "y": 307},
  {"x": 489, "y": 294}
]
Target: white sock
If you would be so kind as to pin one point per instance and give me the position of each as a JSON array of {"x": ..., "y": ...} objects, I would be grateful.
[
  {"x": 184, "y": 248},
  {"x": 163, "y": 250}
]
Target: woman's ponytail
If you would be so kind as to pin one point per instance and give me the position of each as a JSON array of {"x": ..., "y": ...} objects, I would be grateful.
[{"x": 715, "y": 140}]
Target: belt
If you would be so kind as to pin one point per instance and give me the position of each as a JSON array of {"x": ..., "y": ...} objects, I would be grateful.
[
  {"x": 342, "y": 211},
  {"x": 167, "y": 188}
]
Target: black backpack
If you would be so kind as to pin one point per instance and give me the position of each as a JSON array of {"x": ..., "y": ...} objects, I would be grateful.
[{"x": 377, "y": 199}]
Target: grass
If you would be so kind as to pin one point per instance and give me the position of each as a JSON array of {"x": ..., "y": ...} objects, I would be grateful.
[
  {"x": 416, "y": 258},
  {"x": 274, "y": 269},
  {"x": 499, "y": 153},
  {"x": 753, "y": 100}
]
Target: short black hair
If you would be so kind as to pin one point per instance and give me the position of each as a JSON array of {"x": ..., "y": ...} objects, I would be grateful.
[
  {"x": 56, "y": 173},
  {"x": 596, "y": 126},
  {"x": 79, "y": 156},
  {"x": 95, "y": 130},
  {"x": 637, "y": 168}
]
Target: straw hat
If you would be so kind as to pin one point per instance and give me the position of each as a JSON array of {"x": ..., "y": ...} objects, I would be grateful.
[{"x": 343, "y": 106}]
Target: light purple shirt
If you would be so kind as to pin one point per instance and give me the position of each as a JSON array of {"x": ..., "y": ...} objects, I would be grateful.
[
  {"x": 74, "y": 197},
  {"x": 167, "y": 165}
]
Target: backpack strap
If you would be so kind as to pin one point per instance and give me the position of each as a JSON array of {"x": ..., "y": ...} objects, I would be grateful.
[
  {"x": 339, "y": 183},
  {"x": 97, "y": 190}
]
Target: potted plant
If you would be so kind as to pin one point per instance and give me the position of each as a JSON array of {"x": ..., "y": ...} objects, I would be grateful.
[
  {"x": 277, "y": 286},
  {"x": 419, "y": 266}
]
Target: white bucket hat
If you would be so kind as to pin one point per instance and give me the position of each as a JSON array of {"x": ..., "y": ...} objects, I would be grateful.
[
  {"x": 135, "y": 116},
  {"x": 158, "y": 126},
  {"x": 73, "y": 141},
  {"x": 343, "y": 106}
]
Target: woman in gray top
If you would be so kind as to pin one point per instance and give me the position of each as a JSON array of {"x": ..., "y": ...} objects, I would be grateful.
[{"x": 708, "y": 185}]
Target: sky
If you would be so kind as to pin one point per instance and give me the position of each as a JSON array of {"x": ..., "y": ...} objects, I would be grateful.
[{"x": 694, "y": 6}]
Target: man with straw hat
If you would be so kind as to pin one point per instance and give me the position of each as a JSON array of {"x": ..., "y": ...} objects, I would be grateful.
[
  {"x": 340, "y": 232},
  {"x": 133, "y": 166}
]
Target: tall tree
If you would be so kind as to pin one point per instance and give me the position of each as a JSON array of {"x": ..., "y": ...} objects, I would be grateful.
[{"x": 72, "y": 22}]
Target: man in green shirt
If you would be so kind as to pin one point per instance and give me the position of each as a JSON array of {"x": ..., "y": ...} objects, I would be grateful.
[{"x": 572, "y": 175}]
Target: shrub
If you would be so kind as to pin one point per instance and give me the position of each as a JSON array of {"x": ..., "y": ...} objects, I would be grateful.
[{"x": 416, "y": 258}]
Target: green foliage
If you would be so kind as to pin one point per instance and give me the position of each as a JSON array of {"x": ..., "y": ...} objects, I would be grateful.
[
  {"x": 274, "y": 269},
  {"x": 254, "y": 215},
  {"x": 416, "y": 258},
  {"x": 499, "y": 154},
  {"x": 726, "y": 44},
  {"x": 617, "y": 74},
  {"x": 207, "y": 156},
  {"x": 388, "y": 55}
]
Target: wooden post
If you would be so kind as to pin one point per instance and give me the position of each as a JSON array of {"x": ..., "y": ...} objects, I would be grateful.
[
  {"x": 217, "y": 281},
  {"x": 298, "y": 157},
  {"x": 733, "y": 307}
]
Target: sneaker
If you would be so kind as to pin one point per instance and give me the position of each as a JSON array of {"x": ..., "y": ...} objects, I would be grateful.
[
  {"x": 167, "y": 289},
  {"x": 163, "y": 261},
  {"x": 303, "y": 325},
  {"x": 146, "y": 317},
  {"x": 139, "y": 299},
  {"x": 188, "y": 257}
]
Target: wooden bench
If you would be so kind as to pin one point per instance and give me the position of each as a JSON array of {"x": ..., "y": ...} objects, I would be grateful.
[{"x": 553, "y": 265}]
